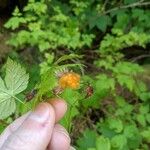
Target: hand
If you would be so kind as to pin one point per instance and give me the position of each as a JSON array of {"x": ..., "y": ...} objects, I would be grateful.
[{"x": 38, "y": 130}]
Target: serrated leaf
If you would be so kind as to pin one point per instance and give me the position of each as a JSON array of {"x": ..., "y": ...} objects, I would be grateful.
[
  {"x": 102, "y": 22},
  {"x": 16, "y": 81}
]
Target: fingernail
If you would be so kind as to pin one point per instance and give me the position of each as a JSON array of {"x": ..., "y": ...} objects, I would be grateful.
[{"x": 41, "y": 113}]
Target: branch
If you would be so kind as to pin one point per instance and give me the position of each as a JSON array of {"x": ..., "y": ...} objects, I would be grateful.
[
  {"x": 105, "y": 3},
  {"x": 139, "y": 57},
  {"x": 127, "y": 6}
]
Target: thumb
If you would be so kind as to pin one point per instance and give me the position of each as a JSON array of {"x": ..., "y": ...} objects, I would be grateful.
[{"x": 35, "y": 132}]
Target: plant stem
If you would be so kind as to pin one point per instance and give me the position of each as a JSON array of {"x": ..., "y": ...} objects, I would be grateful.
[
  {"x": 21, "y": 102},
  {"x": 127, "y": 6},
  {"x": 69, "y": 116}
]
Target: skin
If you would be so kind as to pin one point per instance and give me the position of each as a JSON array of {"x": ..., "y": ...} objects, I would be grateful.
[{"x": 38, "y": 130}]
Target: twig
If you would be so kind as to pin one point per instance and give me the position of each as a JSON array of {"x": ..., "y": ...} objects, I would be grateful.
[
  {"x": 127, "y": 6},
  {"x": 105, "y": 3},
  {"x": 140, "y": 57}
]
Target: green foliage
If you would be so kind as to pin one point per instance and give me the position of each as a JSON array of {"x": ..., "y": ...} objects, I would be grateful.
[
  {"x": 44, "y": 30},
  {"x": 119, "y": 40}
]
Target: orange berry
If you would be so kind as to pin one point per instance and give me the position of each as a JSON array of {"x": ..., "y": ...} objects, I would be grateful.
[{"x": 69, "y": 80}]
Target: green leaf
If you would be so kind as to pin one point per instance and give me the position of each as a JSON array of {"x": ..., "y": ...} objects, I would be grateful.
[
  {"x": 128, "y": 108},
  {"x": 87, "y": 141},
  {"x": 102, "y": 22},
  {"x": 144, "y": 96},
  {"x": 129, "y": 131},
  {"x": 120, "y": 101},
  {"x": 92, "y": 17},
  {"x": 144, "y": 109},
  {"x": 16, "y": 81},
  {"x": 122, "y": 20},
  {"x": 137, "y": 13},
  {"x": 127, "y": 68},
  {"x": 71, "y": 96},
  {"x": 141, "y": 119},
  {"x": 48, "y": 82},
  {"x": 103, "y": 143},
  {"x": 148, "y": 117},
  {"x": 133, "y": 136},
  {"x": 146, "y": 135},
  {"x": 115, "y": 124},
  {"x": 106, "y": 131},
  {"x": 126, "y": 80},
  {"x": 43, "y": 45},
  {"x": 119, "y": 142},
  {"x": 15, "y": 22},
  {"x": 104, "y": 83},
  {"x": 49, "y": 57}
]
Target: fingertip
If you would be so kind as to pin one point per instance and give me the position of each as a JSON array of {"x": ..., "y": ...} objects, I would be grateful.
[
  {"x": 55, "y": 102},
  {"x": 60, "y": 107}
]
